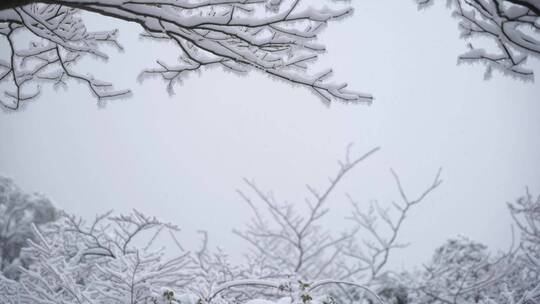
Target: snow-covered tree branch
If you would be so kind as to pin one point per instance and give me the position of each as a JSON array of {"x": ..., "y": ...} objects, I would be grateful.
[
  {"x": 275, "y": 37},
  {"x": 372, "y": 254},
  {"x": 525, "y": 285},
  {"x": 513, "y": 26},
  {"x": 101, "y": 262},
  {"x": 293, "y": 243}
]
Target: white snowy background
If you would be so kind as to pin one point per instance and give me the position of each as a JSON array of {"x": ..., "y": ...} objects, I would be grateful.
[{"x": 182, "y": 157}]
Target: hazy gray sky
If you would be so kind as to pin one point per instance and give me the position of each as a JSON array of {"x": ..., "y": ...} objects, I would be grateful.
[{"x": 182, "y": 158}]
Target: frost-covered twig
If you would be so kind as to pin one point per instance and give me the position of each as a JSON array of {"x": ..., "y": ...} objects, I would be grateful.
[
  {"x": 512, "y": 25},
  {"x": 295, "y": 242},
  {"x": 372, "y": 255},
  {"x": 101, "y": 262},
  {"x": 277, "y": 38}
]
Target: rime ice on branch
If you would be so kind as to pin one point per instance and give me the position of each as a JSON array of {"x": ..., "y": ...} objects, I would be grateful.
[
  {"x": 277, "y": 38},
  {"x": 513, "y": 26},
  {"x": 287, "y": 241}
]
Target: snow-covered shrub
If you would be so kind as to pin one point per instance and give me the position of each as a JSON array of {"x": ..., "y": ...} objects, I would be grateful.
[
  {"x": 461, "y": 271},
  {"x": 100, "y": 262},
  {"x": 523, "y": 285},
  {"x": 114, "y": 259},
  {"x": 464, "y": 271}
]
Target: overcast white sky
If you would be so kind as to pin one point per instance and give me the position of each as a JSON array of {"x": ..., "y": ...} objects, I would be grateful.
[{"x": 182, "y": 157}]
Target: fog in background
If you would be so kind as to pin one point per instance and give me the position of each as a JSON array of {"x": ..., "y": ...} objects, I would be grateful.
[{"x": 181, "y": 158}]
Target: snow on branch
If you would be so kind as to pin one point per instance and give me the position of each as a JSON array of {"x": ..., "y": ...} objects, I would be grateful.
[
  {"x": 526, "y": 214},
  {"x": 373, "y": 252},
  {"x": 462, "y": 271},
  {"x": 512, "y": 25},
  {"x": 103, "y": 261},
  {"x": 60, "y": 41},
  {"x": 303, "y": 290},
  {"x": 277, "y": 38},
  {"x": 289, "y": 242},
  {"x": 294, "y": 242},
  {"x": 68, "y": 268}
]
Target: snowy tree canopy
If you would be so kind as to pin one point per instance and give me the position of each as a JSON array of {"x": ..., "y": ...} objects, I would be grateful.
[
  {"x": 275, "y": 37},
  {"x": 512, "y": 25},
  {"x": 18, "y": 210}
]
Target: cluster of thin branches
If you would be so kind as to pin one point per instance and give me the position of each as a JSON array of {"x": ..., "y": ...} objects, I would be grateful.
[
  {"x": 526, "y": 214},
  {"x": 99, "y": 262},
  {"x": 294, "y": 256},
  {"x": 105, "y": 262},
  {"x": 512, "y": 25},
  {"x": 294, "y": 242},
  {"x": 277, "y": 38},
  {"x": 293, "y": 253},
  {"x": 58, "y": 40}
]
